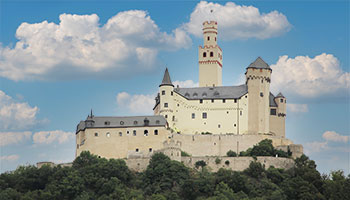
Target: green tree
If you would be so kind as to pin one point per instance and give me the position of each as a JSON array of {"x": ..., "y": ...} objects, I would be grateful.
[{"x": 231, "y": 153}]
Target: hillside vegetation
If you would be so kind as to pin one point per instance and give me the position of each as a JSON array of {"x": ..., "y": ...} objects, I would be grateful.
[{"x": 98, "y": 178}]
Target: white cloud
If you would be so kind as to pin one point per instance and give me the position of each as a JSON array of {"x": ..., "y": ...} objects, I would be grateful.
[
  {"x": 315, "y": 147},
  {"x": 48, "y": 137},
  {"x": 79, "y": 47},
  {"x": 9, "y": 158},
  {"x": 297, "y": 108},
  {"x": 335, "y": 137},
  {"x": 237, "y": 22},
  {"x": 136, "y": 104},
  {"x": 309, "y": 77},
  {"x": 16, "y": 115},
  {"x": 185, "y": 84},
  {"x": 7, "y": 138}
]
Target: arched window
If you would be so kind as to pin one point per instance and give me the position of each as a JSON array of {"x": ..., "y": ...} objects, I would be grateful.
[
  {"x": 145, "y": 133},
  {"x": 211, "y": 54},
  {"x": 204, "y": 54},
  {"x": 108, "y": 134},
  {"x": 96, "y": 134},
  {"x": 156, "y": 132},
  {"x": 120, "y": 134}
]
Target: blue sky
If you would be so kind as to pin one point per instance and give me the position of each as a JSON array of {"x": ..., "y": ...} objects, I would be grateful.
[{"x": 60, "y": 59}]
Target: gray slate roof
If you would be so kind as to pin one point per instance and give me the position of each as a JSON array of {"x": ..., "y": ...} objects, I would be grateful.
[
  {"x": 259, "y": 63},
  {"x": 120, "y": 122},
  {"x": 272, "y": 100},
  {"x": 220, "y": 92},
  {"x": 166, "y": 78}
]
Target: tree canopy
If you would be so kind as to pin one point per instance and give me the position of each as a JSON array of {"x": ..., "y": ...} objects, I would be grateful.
[{"x": 91, "y": 177}]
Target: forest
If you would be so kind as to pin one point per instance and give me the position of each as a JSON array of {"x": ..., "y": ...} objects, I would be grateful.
[{"x": 91, "y": 177}]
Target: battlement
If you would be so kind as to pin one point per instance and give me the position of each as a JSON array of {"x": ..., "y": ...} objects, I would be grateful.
[{"x": 206, "y": 23}]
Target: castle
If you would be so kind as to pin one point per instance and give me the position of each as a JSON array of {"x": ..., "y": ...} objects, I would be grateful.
[{"x": 208, "y": 120}]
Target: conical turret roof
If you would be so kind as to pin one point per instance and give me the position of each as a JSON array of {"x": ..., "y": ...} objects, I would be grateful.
[
  {"x": 259, "y": 63},
  {"x": 166, "y": 79},
  {"x": 280, "y": 95}
]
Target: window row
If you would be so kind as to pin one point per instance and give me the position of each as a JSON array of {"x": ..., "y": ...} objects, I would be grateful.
[
  {"x": 134, "y": 133},
  {"x": 213, "y": 100},
  {"x": 138, "y": 150},
  {"x": 171, "y": 93}
]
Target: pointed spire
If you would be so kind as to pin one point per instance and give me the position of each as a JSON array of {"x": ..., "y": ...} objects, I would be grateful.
[
  {"x": 166, "y": 79},
  {"x": 259, "y": 63},
  {"x": 91, "y": 115}
]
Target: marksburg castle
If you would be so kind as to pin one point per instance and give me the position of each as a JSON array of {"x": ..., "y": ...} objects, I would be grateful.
[{"x": 205, "y": 122}]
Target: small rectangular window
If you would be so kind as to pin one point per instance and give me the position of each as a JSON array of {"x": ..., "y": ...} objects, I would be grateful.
[
  {"x": 134, "y": 132},
  {"x": 235, "y": 100},
  {"x": 155, "y": 132},
  {"x": 173, "y": 117},
  {"x": 166, "y": 116},
  {"x": 219, "y": 126},
  {"x": 171, "y": 93},
  {"x": 224, "y": 101},
  {"x": 193, "y": 115},
  {"x": 240, "y": 113},
  {"x": 200, "y": 100},
  {"x": 273, "y": 112},
  {"x": 212, "y": 100},
  {"x": 204, "y": 115},
  {"x": 120, "y": 134},
  {"x": 165, "y": 105},
  {"x": 150, "y": 149},
  {"x": 281, "y": 100},
  {"x": 261, "y": 94},
  {"x": 163, "y": 92},
  {"x": 137, "y": 150}
]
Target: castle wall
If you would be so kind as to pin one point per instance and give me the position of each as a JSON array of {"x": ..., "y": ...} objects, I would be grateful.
[
  {"x": 277, "y": 125},
  {"x": 119, "y": 146},
  {"x": 219, "y": 145},
  {"x": 238, "y": 163},
  {"x": 222, "y": 117}
]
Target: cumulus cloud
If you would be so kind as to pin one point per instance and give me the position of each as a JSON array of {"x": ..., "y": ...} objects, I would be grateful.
[
  {"x": 16, "y": 115},
  {"x": 7, "y": 138},
  {"x": 335, "y": 137},
  {"x": 136, "y": 104},
  {"x": 328, "y": 136},
  {"x": 310, "y": 77},
  {"x": 237, "y": 22},
  {"x": 185, "y": 84},
  {"x": 315, "y": 147},
  {"x": 9, "y": 158},
  {"x": 78, "y": 47},
  {"x": 297, "y": 108},
  {"x": 48, "y": 137}
]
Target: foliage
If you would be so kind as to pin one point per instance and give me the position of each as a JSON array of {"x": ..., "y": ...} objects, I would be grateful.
[
  {"x": 265, "y": 148},
  {"x": 98, "y": 178},
  {"x": 231, "y": 153},
  {"x": 200, "y": 163},
  {"x": 217, "y": 161},
  {"x": 206, "y": 133},
  {"x": 185, "y": 154}
]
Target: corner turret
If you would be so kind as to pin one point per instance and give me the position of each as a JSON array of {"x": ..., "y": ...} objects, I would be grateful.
[
  {"x": 282, "y": 105},
  {"x": 166, "y": 100}
]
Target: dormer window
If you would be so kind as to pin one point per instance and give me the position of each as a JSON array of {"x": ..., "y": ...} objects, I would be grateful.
[
  {"x": 187, "y": 95},
  {"x": 195, "y": 95},
  {"x": 135, "y": 122},
  {"x": 107, "y": 123},
  {"x": 204, "y": 94},
  {"x": 121, "y": 123},
  {"x": 157, "y": 121}
]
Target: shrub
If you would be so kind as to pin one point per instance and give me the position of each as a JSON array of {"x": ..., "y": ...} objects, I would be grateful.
[
  {"x": 231, "y": 153},
  {"x": 200, "y": 163},
  {"x": 206, "y": 133},
  {"x": 217, "y": 161},
  {"x": 185, "y": 154}
]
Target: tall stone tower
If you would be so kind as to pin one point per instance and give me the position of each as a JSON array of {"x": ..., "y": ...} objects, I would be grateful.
[
  {"x": 210, "y": 57},
  {"x": 258, "y": 78}
]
